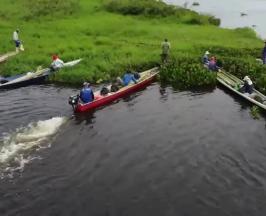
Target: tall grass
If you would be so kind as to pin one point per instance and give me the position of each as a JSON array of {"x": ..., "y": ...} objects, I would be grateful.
[{"x": 40, "y": 8}]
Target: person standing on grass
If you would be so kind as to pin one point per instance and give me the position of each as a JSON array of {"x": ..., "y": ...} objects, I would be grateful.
[
  {"x": 166, "y": 46},
  {"x": 17, "y": 41},
  {"x": 264, "y": 53}
]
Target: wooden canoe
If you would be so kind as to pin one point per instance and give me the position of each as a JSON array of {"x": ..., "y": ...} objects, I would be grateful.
[
  {"x": 31, "y": 78},
  {"x": 146, "y": 78},
  {"x": 232, "y": 82}
]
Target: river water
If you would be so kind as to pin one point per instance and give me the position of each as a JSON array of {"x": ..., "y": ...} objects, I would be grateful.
[
  {"x": 230, "y": 12},
  {"x": 159, "y": 153}
]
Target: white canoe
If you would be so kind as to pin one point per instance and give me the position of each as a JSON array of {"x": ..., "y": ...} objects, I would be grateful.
[{"x": 232, "y": 82}]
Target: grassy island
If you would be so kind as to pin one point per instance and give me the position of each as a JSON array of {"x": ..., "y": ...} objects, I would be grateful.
[{"x": 113, "y": 35}]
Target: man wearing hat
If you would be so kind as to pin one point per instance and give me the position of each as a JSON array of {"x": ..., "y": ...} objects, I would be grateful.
[
  {"x": 264, "y": 53},
  {"x": 86, "y": 94},
  {"x": 248, "y": 85}
]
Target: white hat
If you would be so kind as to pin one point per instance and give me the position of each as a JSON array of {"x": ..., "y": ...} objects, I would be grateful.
[
  {"x": 207, "y": 53},
  {"x": 246, "y": 78},
  {"x": 86, "y": 84}
]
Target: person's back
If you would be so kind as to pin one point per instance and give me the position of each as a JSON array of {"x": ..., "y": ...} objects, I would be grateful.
[
  {"x": 17, "y": 42},
  {"x": 166, "y": 48},
  {"x": 248, "y": 85},
  {"x": 86, "y": 94},
  {"x": 165, "y": 51},
  {"x": 57, "y": 63},
  {"x": 127, "y": 78},
  {"x": 15, "y": 36}
]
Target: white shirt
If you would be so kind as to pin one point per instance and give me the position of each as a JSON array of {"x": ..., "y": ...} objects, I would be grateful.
[
  {"x": 248, "y": 80},
  {"x": 15, "y": 36},
  {"x": 58, "y": 63}
]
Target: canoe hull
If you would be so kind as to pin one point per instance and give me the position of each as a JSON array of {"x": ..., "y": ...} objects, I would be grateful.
[
  {"x": 114, "y": 96},
  {"x": 33, "y": 81},
  {"x": 221, "y": 79},
  {"x": 39, "y": 77}
]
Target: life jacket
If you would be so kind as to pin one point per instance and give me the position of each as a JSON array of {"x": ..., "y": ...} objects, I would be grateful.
[{"x": 86, "y": 95}]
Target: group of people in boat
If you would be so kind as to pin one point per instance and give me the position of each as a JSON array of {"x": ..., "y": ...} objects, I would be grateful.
[
  {"x": 211, "y": 64},
  {"x": 87, "y": 95}
]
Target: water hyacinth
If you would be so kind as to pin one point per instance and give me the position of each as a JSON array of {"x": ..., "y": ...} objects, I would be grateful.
[{"x": 186, "y": 73}]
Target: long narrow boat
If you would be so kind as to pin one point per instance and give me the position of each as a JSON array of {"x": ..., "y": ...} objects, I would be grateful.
[
  {"x": 31, "y": 78},
  {"x": 146, "y": 78},
  {"x": 233, "y": 83},
  {"x": 4, "y": 57}
]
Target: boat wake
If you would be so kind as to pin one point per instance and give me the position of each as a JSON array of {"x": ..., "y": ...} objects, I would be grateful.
[{"x": 15, "y": 147}]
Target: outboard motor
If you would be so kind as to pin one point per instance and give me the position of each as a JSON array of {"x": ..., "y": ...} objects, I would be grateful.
[{"x": 73, "y": 101}]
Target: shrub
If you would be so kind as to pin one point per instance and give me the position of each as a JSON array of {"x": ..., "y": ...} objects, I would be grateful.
[
  {"x": 186, "y": 73},
  {"x": 38, "y": 8},
  {"x": 158, "y": 9}
]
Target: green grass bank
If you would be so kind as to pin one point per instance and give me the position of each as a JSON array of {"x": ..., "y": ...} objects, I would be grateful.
[{"x": 113, "y": 35}]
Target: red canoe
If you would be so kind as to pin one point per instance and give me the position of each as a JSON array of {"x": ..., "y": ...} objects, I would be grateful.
[{"x": 146, "y": 78}]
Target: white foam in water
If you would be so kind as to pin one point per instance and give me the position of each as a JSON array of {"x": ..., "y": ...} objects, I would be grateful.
[{"x": 26, "y": 138}]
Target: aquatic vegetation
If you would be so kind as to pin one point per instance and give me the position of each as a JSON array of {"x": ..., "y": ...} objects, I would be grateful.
[
  {"x": 255, "y": 112},
  {"x": 185, "y": 73}
]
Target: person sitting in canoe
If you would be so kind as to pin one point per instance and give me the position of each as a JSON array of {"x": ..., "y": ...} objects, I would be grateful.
[
  {"x": 57, "y": 63},
  {"x": 129, "y": 78},
  {"x": 86, "y": 94},
  {"x": 205, "y": 58},
  {"x": 213, "y": 64},
  {"x": 248, "y": 85}
]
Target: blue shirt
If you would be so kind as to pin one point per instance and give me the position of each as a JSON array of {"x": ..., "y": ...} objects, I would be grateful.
[
  {"x": 128, "y": 77},
  {"x": 86, "y": 95}
]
